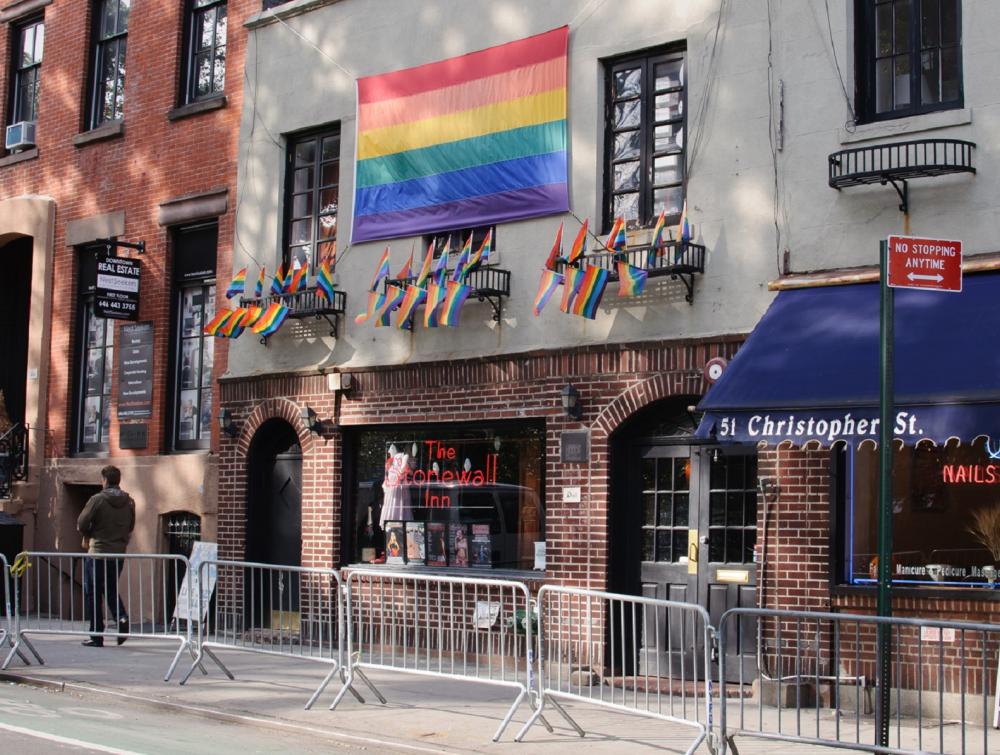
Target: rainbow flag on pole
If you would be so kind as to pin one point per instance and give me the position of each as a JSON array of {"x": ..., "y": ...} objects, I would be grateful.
[
  {"x": 425, "y": 269},
  {"x": 473, "y": 140},
  {"x": 462, "y": 266},
  {"x": 579, "y": 244},
  {"x": 258, "y": 289},
  {"x": 393, "y": 297},
  {"x": 381, "y": 271},
  {"x": 482, "y": 254},
  {"x": 546, "y": 287},
  {"x": 588, "y": 298},
  {"x": 683, "y": 226},
  {"x": 435, "y": 295},
  {"x": 616, "y": 238},
  {"x": 556, "y": 253},
  {"x": 374, "y": 303},
  {"x": 238, "y": 284},
  {"x": 413, "y": 299},
  {"x": 251, "y": 316},
  {"x": 324, "y": 282},
  {"x": 233, "y": 327},
  {"x": 571, "y": 284},
  {"x": 217, "y": 322},
  {"x": 631, "y": 280},
  {"x": 453, "y": 301},
  {"x": 299, "y": 279},
  {"x": 406, "y": 271},
  {"x": 657, "y": 245},
  {"x": 278, "y": 281},
  {"x": 271, "y": 320}
]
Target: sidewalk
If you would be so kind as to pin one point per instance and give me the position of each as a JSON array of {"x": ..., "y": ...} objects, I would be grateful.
[{"x": 422, "y": 714}]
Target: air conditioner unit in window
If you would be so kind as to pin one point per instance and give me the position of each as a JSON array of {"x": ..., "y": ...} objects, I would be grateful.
[{"x": 20, "y": 135}]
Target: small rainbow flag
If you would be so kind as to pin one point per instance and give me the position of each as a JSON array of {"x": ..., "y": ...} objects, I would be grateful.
[
  {"x": 238, "y": 284},
  {"x": 278, "y": 281},
  {"x": 579, "y": 244},
  {"x": 216, "y": 323},
  {"x": 595, "y": 280},
  {"x": 252, "y": 316},
  {"x": 299, "y": 279},
  {"x": 573, "y": 277},
  {"x": 414, "y": 297},
  {"x": 435, "y": 295},
  {"x": 331, "y": 256},
  {"x": 546, "y": 287},
  {"x": 425, "y": 269},
  {"x": 271, "y": 320},
  {"x": 233, "y": 327},
  {"x": 556, "y": 253},
  {"x": 616, "y": 239},
  {"x": 374, "y": 302},
  {"x": 406, "y": 271},
  {"x": 657, "y": 245},
  {"x": 683, "y": 227},
  {"x": 631, "y": 280},
  {"x": 482, "y": 255},
  {"x": 324, "y": 282},
  {"x": 462, "y": 266},
  {"x": 381, "y": 271},
  {"x": 258, "y": 289},
  {"x": 453, "y": 301},
  {"x": 393, "y": 296}
]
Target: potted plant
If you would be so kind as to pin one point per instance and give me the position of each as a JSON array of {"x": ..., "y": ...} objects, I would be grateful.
[{"x": 985, "y": 528}]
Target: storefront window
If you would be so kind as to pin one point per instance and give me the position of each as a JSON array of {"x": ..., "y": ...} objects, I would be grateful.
[
  {"x": 946, "y": 515},
  {"x": 445, "y": 496}
]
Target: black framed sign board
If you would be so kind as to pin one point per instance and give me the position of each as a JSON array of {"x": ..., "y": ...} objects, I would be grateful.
[
  {"x": 135, "y": 371},
  {"x": 116, "y": 295}
]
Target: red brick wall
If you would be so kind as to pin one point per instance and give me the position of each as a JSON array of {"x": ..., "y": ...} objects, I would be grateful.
[
  {"x": 156, "y": 159},
  {"x": 614, "y": 381}
]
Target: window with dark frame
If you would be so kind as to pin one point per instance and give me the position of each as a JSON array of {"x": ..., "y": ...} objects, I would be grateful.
[
  {"x": 95, "y": 362},
  {"x": 205, "y": 53},
  {"x": 312, "y": 189},
  {"x": 110, "y": 35},
  {"x": 29, "y": 40},
  {"x": 644, "y": 166},
  {"x": 192, "y": 351},
  {"x": 909, "y": 57}
]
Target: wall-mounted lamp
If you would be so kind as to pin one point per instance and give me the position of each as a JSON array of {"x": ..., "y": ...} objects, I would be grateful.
[
  {"x": 226, "y": 423},
  {"x": 571, "y": 402},
  {"x": 311, "y": 419}
]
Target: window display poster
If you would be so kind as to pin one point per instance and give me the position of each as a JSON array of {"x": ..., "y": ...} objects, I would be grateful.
[
  {"x": 187, "y": 429},
  {"x": 92, "y": 419},
  {"x": 482, "y": 546},
  {"x": 437, "y": 548},
  {"x": 135, "y": 371},
  {"x": 458, "y": 542},
  {"x": 395, "y": 543},
  {"x": 416, "y": 543}
]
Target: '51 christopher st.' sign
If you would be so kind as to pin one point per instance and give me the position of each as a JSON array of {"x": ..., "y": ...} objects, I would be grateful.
[{"x": 117, "y": 291}]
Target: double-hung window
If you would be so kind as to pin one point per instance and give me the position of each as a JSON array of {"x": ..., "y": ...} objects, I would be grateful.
[
  {"x": 110, "y": 35},
  {"x": 644, "y": 165},
  {"x": 312, "y": 191},
  {"x": 95, "y": 362},
  {"x": 205, "y": 49},
  {"x": 909, "y": 57},
  {"x": 29, "y": 39}
]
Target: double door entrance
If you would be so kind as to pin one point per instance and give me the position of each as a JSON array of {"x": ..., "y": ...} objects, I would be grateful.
[{"x": 692, "y": 516}]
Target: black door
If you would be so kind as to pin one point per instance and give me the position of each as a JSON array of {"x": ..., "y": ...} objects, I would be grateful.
[
  {"x": 15, "y": 301},
  {"x": 274, "y": 520},
  {"x": 695, "y": 509}
]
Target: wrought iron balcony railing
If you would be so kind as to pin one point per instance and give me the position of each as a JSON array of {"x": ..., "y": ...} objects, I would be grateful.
[
  {"x": 305, "y": 304},
  {"x": 13, "y": 458},
  {"x": 489, "y": 284}
]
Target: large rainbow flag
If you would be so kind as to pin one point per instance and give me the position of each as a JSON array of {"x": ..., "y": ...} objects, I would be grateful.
[{"x": 463, "y": 142}]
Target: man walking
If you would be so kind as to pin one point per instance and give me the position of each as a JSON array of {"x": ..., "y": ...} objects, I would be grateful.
[{"x": 106, "y": 522}]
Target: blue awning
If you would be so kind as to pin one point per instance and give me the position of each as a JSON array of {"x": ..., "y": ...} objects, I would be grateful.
[{"x": 810, "y": 369}]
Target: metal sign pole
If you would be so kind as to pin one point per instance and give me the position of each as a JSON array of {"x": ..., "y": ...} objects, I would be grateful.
[{"x": 886, "y": 423}]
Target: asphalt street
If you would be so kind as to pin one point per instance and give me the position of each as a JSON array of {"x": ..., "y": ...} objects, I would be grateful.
[{"x": 34, "y": 720}]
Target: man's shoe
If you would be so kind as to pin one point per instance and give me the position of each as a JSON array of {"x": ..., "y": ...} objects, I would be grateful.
[
  {"x": 123, "y": 628},
  {"x": 93, "y": 643}
]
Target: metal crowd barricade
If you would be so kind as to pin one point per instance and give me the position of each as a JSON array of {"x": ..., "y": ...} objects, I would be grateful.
[
  {"x": 7, "y": 631},
  {"x": 286, "y": 611},
  {"x": 131, "y": 599},
  {"x": 627, "y": 653},
  {"x": 820, "y": 670},
  {"x": 473, "y": 630}
]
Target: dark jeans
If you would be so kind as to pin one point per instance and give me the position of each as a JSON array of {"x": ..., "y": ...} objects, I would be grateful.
[{"x": 100, "y": 586}]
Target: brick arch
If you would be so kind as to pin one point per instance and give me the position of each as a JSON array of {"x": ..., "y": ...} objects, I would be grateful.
[
  {"x": 637, "y": 396},
  {"x": 273, "y": 408}
]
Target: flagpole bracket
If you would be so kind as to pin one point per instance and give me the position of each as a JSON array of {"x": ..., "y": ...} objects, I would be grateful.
[
  {"x": 688, "y": 280},
  {"x": 334, "y": 323},
  {"x": 495, "y": 301}
]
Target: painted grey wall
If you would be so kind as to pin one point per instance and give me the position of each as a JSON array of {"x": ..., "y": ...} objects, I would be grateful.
[{"x": 301, "y": 71}]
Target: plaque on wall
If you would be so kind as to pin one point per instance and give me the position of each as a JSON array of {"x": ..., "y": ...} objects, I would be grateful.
[
  {"x": 135, "y": 371},
  {"x": 133, "y": 435},
  {"x": 574, "y": 447}
]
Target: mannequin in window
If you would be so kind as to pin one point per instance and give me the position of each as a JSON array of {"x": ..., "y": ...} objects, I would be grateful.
[{"x": 396, "y": 499}]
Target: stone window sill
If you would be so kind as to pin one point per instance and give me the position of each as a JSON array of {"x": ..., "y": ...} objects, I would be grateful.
[
  {"x": 905, "y": 126},
  {"x": 19, "y": 157},
  {"x": 195, "y": 108},
  {"x": 112, "y": 130}
]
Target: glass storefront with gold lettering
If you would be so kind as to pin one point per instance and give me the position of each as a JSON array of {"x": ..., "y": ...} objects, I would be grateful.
[{"x": 465, "y": 497}]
